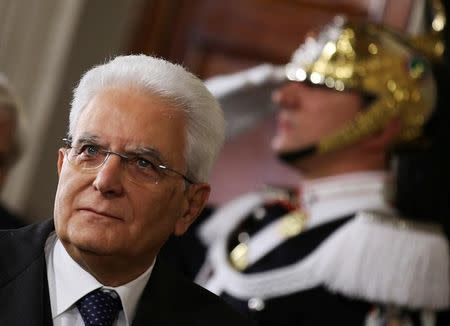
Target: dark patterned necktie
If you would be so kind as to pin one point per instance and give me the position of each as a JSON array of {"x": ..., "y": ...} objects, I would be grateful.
[{"x": 99, "y": 307}]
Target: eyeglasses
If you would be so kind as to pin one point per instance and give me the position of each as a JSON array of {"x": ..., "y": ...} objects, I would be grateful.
[{"x": 140, "y": 169}]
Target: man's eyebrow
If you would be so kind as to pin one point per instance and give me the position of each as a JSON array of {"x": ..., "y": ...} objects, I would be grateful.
[
  {"x": 147, "y": 151},
  {"x": 137, "y": 150},
  {"x": 87, "y": 138}
]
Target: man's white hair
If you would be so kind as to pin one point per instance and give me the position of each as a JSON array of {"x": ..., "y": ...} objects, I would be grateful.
[{"x": 205, "y": 121}]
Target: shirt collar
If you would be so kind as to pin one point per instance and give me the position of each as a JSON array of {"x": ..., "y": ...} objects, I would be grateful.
[
  {"x": 338, "y": 196},
  {"x": 68, "y": 292}
]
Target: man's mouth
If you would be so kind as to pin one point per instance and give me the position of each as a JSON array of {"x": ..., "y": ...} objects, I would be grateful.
[{"x": 100, "y": 213}]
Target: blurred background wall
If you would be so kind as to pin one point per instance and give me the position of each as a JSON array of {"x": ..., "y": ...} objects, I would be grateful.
[{"x": 45, "y": 46}]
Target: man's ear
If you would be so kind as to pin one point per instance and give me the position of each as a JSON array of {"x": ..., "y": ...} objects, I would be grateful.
[
  {"x": 197, "y": 197},
  {"x": 60, "y": 160}
]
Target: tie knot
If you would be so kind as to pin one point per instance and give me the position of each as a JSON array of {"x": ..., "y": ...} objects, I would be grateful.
[{"x": 99, "y": 307}]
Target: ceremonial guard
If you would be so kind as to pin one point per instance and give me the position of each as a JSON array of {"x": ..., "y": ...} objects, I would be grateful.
[{"x": 337, "y": 250}]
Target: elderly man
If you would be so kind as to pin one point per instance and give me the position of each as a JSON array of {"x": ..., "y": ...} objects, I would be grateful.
[
  {"x": 10, "y": 144},
  {"x": 338, "y": 253},
  {"x": 143, "y": 135}
]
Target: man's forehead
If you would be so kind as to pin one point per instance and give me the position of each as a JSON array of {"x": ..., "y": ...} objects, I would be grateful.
[
  {"x": 316, "y": 87},
  {"x": 104, "y": 139},
  {"x": 132, "y": 121}
]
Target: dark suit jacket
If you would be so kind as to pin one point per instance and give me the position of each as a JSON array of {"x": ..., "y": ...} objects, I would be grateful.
[{"x": 168, "y": 299}]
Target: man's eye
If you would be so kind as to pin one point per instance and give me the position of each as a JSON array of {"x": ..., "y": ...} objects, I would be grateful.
[
  {"x": 89, "y": 150},
  {"x": 144, "y": 164}
]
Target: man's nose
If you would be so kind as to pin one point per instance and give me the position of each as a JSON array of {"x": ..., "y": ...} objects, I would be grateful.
[
  {"x": 288, "y": 96},
  {"x": 109, "y": 176}
]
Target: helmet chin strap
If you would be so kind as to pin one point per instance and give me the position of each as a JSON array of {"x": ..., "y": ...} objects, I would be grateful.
[{"x": 290, "y": 157}]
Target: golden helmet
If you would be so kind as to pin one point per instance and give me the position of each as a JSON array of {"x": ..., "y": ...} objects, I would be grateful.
[{"x": 372, "y": 60}]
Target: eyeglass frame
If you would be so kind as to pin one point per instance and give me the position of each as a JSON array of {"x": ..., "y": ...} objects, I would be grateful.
[{"x": 126, "y": 158}]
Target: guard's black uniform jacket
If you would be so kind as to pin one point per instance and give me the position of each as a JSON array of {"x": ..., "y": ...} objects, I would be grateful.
[{"x": 343, "y": 258}]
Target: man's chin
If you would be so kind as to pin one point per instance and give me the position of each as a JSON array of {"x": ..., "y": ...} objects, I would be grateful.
[
  {"x": 91, "y": 241},
  {"x": 94, "y": 249},
  {"x": 283, "y": 146}
]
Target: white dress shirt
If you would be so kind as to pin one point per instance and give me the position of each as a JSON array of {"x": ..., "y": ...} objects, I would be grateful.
[{"x": 68, "y": 282}]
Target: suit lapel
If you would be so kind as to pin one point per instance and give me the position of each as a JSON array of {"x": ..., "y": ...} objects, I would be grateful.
[{"x": 156, "y": 304}]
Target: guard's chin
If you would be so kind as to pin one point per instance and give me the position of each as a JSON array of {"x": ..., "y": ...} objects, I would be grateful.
[{"x": 293, "y": 156}]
